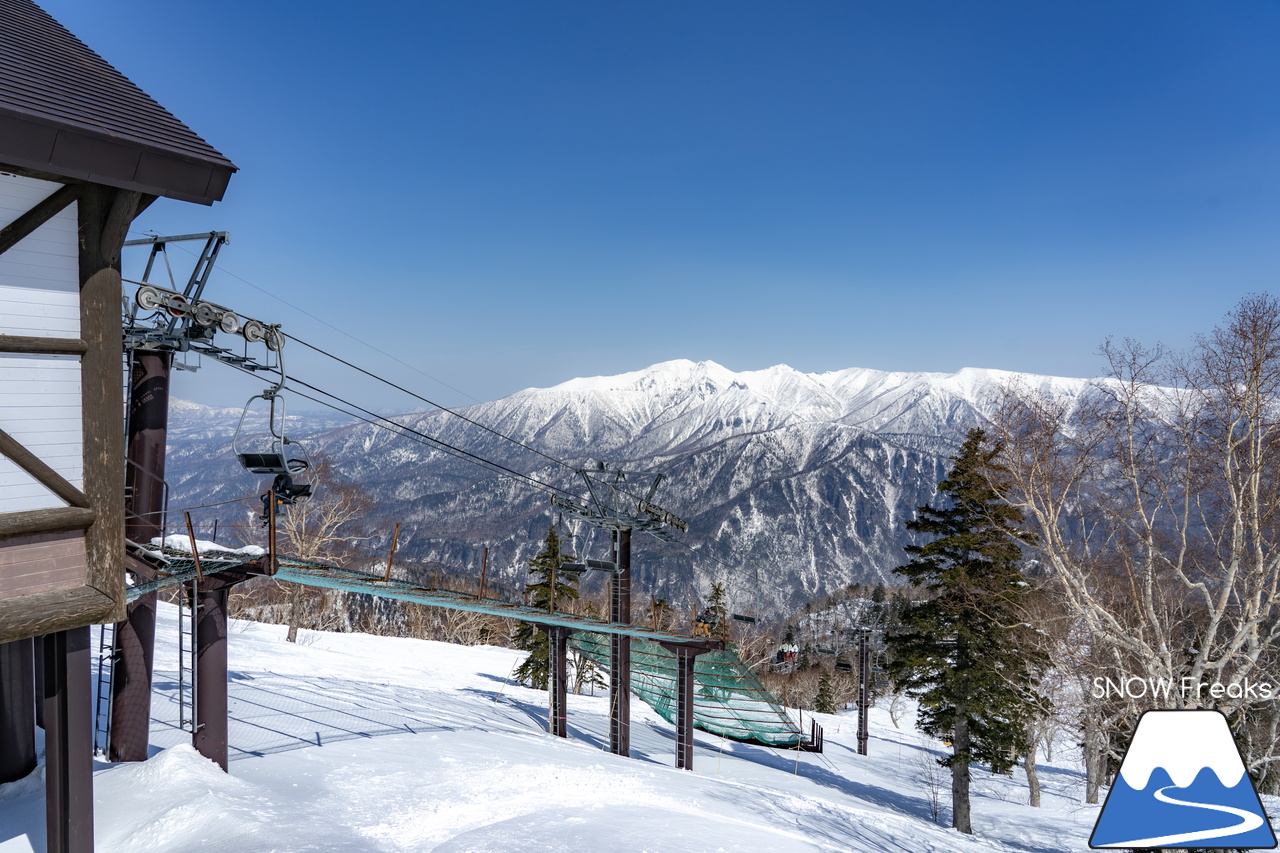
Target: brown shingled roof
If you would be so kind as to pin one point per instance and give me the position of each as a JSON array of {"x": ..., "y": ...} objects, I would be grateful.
[{"x": 65, "y": 111}]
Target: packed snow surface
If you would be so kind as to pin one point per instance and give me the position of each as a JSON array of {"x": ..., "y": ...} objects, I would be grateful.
[
  {"x": 348, "y": 742},
  {"x": 180, "y": 542}
]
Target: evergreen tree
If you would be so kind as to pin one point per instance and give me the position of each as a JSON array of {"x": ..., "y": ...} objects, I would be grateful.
[
  {"x": 716, "y": 603},
  {"x": 962, "y": 650},
  {"x": 825, "y": 703},
  {"x": 549, "y": 589}
]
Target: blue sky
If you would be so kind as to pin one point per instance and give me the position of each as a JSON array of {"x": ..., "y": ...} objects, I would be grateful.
[{"x": 507, "y": 194}]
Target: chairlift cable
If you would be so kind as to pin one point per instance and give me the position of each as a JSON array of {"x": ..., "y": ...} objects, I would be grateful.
[
  {"x": 456, "y": 451},
  {"x": 442, "y": 408},
  {"x": 586, "y": 473},
  {"x": 410, "y": 433}
]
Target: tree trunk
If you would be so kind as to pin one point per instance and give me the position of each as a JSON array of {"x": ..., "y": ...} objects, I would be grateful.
[
  {"x": 1033, "y": 777},
  {"x": 1093, "y": 763},
  {"x": 960, "y": 779},
  {"x": 295, "y": 612}
]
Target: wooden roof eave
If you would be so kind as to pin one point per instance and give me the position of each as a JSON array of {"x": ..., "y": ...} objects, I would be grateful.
[{"x": 64, "y": 150}]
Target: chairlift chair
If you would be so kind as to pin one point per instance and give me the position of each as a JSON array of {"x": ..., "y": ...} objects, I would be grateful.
[
  {"x": 578, "y": 568},
  {"x": 270, "y": 456}
]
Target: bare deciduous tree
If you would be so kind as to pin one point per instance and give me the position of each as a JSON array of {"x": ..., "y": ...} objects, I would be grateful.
[
  {"x": 1153, "y": 500},
  {"x": 326, "y": 528}
]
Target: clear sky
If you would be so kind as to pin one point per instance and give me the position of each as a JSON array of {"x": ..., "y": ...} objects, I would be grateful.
[{"x": 507, "y": 194}]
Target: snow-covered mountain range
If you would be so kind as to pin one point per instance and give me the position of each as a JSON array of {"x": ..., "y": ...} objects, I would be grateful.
[{"x": 794, "y": 484}]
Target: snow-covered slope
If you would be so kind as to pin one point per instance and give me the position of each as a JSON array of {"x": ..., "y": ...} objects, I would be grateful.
[
  {"x": 357, "y": 744},
  {"x": 794, "y": 484}
]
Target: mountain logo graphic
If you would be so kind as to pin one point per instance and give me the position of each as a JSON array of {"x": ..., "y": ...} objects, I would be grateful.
[{"x": 1182, "y": 784}]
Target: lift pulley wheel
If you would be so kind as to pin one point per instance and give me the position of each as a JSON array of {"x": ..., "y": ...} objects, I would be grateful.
[
  {"x": 275, "y": 340},
  {"x": 229, "y": 322},
  {"x": 149, "y": 299},
  {"x": 205, "y": 314},
  {"x": 253, "y": 331}
]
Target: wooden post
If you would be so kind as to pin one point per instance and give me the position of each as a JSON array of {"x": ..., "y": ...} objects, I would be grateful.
[
  {"x": 484, "y": 565},
  {"x": 68, "y": 713},
  {"x": 17, "y": 709},
  {"x": 395, "y": 537},
  {"x": 195, "y": 552}
]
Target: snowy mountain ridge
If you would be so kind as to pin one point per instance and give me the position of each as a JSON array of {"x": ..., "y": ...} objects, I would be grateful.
[{"x": 794, "y": 484}]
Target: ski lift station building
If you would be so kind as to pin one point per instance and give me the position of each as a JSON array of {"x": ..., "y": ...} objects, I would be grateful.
[{"x": 82, "y": 152}]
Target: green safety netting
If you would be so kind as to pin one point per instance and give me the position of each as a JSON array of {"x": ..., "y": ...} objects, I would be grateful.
[
  {"x": 176, "y": 566},
  {"x": 728, "y": 699}
]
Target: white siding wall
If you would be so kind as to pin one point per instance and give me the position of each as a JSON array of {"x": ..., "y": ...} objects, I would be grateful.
[
  {"x": 39, "y": 277},
  {"x": 39, "y": 394}
]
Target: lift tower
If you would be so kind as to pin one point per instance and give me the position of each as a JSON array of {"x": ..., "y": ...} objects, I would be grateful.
[{"x": 612, "y": 504}]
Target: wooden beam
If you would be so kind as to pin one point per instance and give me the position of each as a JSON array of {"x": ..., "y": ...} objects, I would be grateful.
[
  {"x": 28, "y": 345},
  {"x": 57, "y": 520},
  {"x": 15, "y": 231},
  {"x": 46, "y": 612},
  {"x": 124, "y": 207},
  {"x": 44, "y": 475}
]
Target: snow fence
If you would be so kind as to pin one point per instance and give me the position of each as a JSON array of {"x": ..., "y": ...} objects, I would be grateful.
[{"x": 728, "y": 699}]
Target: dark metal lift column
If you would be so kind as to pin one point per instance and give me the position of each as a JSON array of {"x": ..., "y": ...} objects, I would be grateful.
[
  {"x": 68, "y": 744},
  {"x": 210, "y": 737},
  {"x": 144, "y": 508},
  {"x": 557, "y": 678},
  {"x": 686, "y": 656},
  {"x": 17, "y": 710},
  {"x": 864, "y": 690},
  {"x": 620, "y": 647}
]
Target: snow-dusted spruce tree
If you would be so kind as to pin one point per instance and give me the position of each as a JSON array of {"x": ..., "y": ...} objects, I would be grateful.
[
  {"x": 1155, "y": 502},
  {"x": 960, "y": 650},
  {"x": 548, "y": 589}
]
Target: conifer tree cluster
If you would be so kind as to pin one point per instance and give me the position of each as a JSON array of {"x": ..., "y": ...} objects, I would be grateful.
[
  {"x": 548, "y": 589},
  {"x": 963, "y": 650}
]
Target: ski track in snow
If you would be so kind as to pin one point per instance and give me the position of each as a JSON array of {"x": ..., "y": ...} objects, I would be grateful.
[{"x": 348, "y": 743}]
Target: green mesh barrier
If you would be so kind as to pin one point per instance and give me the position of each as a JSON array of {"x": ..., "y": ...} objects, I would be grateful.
[
  {"x": 179, "y": 567},
  {"x": 728, "y": 699}
]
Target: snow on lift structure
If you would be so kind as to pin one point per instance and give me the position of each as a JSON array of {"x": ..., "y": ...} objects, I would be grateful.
[{"x": 268, "y": 454}]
